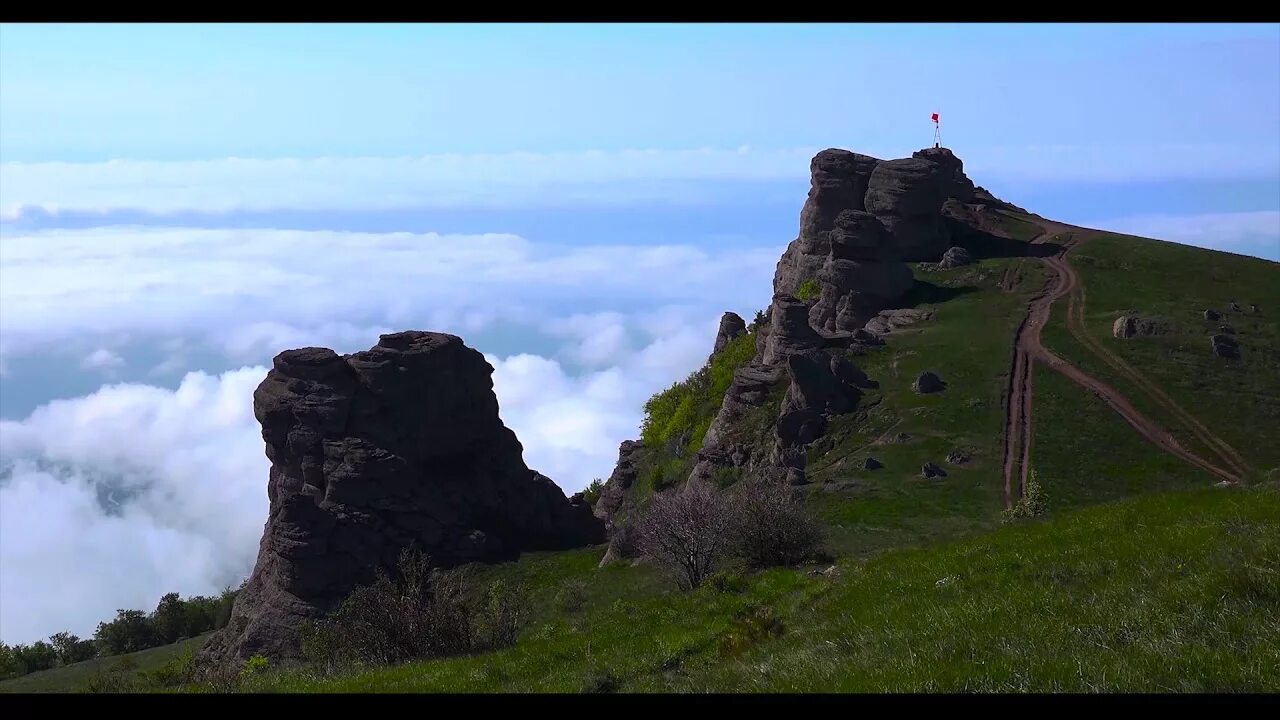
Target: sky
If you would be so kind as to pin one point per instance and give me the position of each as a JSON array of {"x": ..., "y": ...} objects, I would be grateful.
[{"x": 581, "y": 203}]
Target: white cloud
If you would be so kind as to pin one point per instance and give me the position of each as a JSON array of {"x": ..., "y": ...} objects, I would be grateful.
[
  {"x": 101, "y": 359},
  {"x": 1249, "y": 233},
  {"x": 251, "y": 293},
  {"x": 525, "y": 179}
]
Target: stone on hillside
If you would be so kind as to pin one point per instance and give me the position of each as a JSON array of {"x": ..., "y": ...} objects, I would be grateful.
[
  {"x": 959, "y": 456},
  {"x": 732, "y": 326},
  {"x": 955, "y": 257},
  {"x": 928, "y": 382},
  {"x": 932, "y": 470},
  {"x": 1212, "y": 315},
  {"x": 1225, "y": 346},
  {"x": 871, "y": 464}
]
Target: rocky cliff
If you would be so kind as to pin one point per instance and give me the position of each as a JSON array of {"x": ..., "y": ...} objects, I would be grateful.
[
  {"x": 838, "y": 289},
  {"x": 373, "y": 452}
]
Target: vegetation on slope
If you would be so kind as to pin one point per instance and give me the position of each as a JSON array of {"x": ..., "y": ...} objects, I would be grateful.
[
  {"x": 1175, "y": 591},
  {"x": 1236, "y": 399}
]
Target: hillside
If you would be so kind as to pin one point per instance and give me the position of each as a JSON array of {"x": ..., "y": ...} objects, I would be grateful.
[{"x": 1076, "y": 370}]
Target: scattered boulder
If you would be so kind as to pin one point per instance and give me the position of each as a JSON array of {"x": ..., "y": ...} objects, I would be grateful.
[
  {"x": 731, "y": 327},
  {"x": 1212, "y": 315},
  {"x": 1225, "y": 346},
  {"x": 1254, "y": 307},
  {"x": 400, "y": 445},
  {"x": 1133, "y": 325},
  {"x": 871, "y": 464},
  {"x": 932, "y": 470},
  {"x": 959, "y": 456},
  {"x": 902, "y": 438},
  {"x": 928, "y": 382},
  {"x": 1235, "y": 307},
  {"x": 888, "y": 320},
  {"x": 955, "y": 257}
]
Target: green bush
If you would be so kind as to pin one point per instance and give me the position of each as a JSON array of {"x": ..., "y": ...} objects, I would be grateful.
[
  {"x": 808, "y": 290},
  {"x": 503, "y": 611},
  {"x": 1031, "y": 505},
  {"x": 178, "y": 672},
  {"x": 592, "y": 492}
]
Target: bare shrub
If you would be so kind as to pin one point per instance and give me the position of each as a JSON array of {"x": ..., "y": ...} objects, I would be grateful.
[
  {"x": 420, "y": 614},
  {"x": 686, "y": 532},
  {"x": 771, "y": 526}
]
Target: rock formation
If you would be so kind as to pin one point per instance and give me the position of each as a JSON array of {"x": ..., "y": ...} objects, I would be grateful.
[
  {"x": 731, "y": 327},
  {"x": 932, "y": 470},
  {"x": 371, "y": 453}
]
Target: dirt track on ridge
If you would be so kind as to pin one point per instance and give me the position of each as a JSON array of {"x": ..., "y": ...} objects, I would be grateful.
[{"x": 1027, "y": 348}]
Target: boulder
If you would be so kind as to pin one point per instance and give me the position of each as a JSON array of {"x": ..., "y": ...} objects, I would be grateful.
[
  {"x": 932, "y": 470},
  {"x": 928, "y": 382},
  {"x": 871, "y": 464},
  {"x": 1225, "y": 346},
  {"x": 1132, "y": 325},
  {"x": 371, "y": 453},
  {"x": 959, "y": 456},
  {"x": 1212, "y": 315},
  {"x": 955, "y": 257}
]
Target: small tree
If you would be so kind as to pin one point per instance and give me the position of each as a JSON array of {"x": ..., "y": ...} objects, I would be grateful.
[
  {"x": 131, "y": 631},
  {"x": 71, "y": 649},
  {"x": 770, "y": 526},
  {"x": 1032, "y": 504},
  {"x": 170, "y": 619},
  {"x": 686, "y": 532},
  {"x": 592, "y": 493},
  {"x": 37, "y": 656}
]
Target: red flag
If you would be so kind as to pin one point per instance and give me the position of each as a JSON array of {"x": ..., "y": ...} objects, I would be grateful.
[{"x": 935, "y": 117}]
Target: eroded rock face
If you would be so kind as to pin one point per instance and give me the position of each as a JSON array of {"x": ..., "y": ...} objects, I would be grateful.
[
  {"x": 400, "y": 445},
  {"x": 956, "y": 257},
  {"x": 907, "y": 196},
  {"x": 955, "y": 184},
  {"x": 623, "y": 477},
  {"x": 731, "y": 327}
]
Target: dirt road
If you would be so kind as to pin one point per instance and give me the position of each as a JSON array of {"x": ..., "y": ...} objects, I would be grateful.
[{"x": 1028, "y": 348}]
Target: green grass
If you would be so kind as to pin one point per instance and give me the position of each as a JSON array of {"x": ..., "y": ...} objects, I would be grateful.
[
  {"x": 1085, "y": 453},
  {"x": 1174, "y": 591},
  {"x": 1238, "y": 400},
  {"x": 73, "y": 677},
  {"x": 968, "y": 344},
  {"x": 808, "y": 290}
]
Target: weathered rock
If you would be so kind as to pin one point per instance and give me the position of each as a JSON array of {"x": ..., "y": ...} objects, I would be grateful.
[
  {"x": 907, "y": 195},
  {"x": 1235, "y": 307},
  {"x": 790, "y": 331},
  {"x": 871, "y": 464},
  {"x": 837, "y": 182},
  {"x": 397, "y": 446},
  {"x": 821, "y": 386},
  {"x": 614, "y": 492},
  {"x": 1254, "y": 307},
  {"x": 932, "y": 470},
  {"x": 1132, "y": 325},
  {"x": 1225, "y": 346},
  {"x": 732, "y": 326},
  {"x": 954, "y": 183},
  {"x": 1212, "y": 315},
  {"x": 959, "y": 456},
  {"x": 887, "y": 320},
  {"x": 955, "y": 257},
  {"x": 928, "y": 382},
  {"x": 749, "y": 391}
]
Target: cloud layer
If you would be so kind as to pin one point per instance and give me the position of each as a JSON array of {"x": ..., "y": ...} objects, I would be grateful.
[{"x": 525, "y": 179}]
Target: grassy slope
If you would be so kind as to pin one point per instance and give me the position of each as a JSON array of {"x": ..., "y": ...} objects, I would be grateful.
[
  {"x": 1237, "y": 400},
  {"x": 73, "y": 677},
  {"x": 1175, "y": 591}
]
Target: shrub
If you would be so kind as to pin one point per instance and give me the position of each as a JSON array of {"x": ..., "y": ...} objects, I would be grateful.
[
  {"x": 571, "y": 598},
  {"x": 1031, "y": 505},
  {"x": 592, "y": 493},
  {"x": 121, "y": 677},
  {"x": 177, "y": 672},
  {"x": 255, "y": 665},
  {"x": 685, "y": 532},
  {"x": 420, "y": 614},
  {"x": 750, "y": 627},
  {"x": 131, "y": 631},
  {"x": 771, "y": 526},
  {"x": 727, "y": 582},
  {"x": 35, "y": 657},
  {"x": 808, "y": 290},
  {"x": 502, "y": 613}
]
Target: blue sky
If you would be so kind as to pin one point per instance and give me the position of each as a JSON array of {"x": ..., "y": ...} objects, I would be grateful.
[{"x": 581, "y": 203}]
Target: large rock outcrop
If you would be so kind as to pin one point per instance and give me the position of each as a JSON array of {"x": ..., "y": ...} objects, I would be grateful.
[
  {"x": 907, "y": 196},
  {"x": 732, "y": 326},
  {"x": 397, "y": 446}
]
